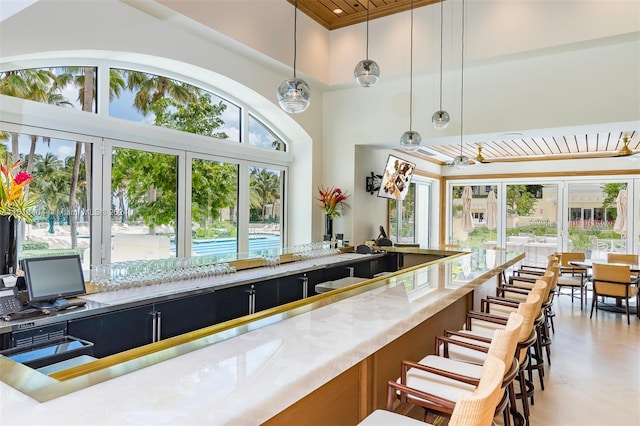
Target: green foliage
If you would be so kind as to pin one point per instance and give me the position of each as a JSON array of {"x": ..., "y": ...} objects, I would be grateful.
[
  {"x": 201, "y": 117},
  {"x": 520, "y": 201},
  {"x": 611, "y": 191},
  {"x": 264, "y": 187},
  {"x": 35, "y": 245}
]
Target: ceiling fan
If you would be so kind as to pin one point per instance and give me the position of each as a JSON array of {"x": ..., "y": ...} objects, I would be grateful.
[{"x": 624, "y": 151}]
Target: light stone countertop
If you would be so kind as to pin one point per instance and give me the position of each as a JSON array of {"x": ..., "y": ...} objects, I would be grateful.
[{"x": 249, "y": 378}]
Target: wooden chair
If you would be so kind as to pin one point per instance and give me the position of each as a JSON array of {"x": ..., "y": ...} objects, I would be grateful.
[
  {"x": 468, "y": 408},
  {"x": 628, "y": 259},
  {"x": 573, "y": 277},
  {"x": 612, "y": 280},
  {"x": 479, "y": 328},
  {"x": 503, "y": 346}
]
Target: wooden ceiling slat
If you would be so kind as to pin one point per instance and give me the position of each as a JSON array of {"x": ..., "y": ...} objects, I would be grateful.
[{"x": 322, "y": 10}]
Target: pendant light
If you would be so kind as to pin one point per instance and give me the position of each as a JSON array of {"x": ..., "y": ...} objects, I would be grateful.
[
  {"x": 440, "y": 118},
  {"x": 461, "y": 161},
  {"x": 410, "y": 140},
  {"x": 294, "y": 94},
  {"x": 367, "y": 72}
]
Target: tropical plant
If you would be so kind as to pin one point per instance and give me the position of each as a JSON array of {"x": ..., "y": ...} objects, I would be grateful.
[
  {"x": 13, "y": 197},
  {"x": 332, "y": 200}
]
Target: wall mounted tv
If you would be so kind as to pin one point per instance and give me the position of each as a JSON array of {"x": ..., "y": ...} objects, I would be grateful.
[{"x": 396, "y": 178}]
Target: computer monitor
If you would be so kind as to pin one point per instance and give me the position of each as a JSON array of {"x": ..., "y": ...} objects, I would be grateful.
[{"x": 51, "y": 278}]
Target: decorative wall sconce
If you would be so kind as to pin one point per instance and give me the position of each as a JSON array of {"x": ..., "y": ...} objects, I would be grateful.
[{"x": 373, "y": 183}]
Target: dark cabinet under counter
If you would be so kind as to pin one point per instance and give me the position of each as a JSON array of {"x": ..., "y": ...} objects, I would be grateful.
[
  {"x": 115, "y": 331},
  {"x": 235, "y": 302},
  {"x": 184, "y": 314},
  {"x": 298, "y": 286}
]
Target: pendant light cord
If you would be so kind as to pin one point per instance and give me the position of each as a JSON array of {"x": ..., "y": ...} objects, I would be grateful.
[
  {"x": 411, "y": 73},
  {"x": 462, "y": 79},
  {"x": 367, "y": 29},
  {"x": 441, "y": 50},
  {"x": 295, "y": 37}
]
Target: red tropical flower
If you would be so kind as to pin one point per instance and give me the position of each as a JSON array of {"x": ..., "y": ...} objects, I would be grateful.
[{"x": 332, "y": 200}]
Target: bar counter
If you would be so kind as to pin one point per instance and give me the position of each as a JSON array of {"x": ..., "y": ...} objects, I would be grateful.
[{"x": 274, "y": 367}]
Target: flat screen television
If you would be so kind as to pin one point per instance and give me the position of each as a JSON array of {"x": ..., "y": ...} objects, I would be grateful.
[
  {"x": 396, "y": 178},
  {"x": 51, "y": 278}
]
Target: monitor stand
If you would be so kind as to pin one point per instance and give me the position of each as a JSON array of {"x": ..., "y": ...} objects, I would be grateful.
[
  {"x": 48, "y": 304},
  {"x": 57, "y": 305}
]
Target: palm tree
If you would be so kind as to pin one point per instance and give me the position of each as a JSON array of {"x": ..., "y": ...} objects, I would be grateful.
[
  {"x": 31, "y": 84},
  {"x": 265, "y": 186},
  {"x": 151, "y": 88}
]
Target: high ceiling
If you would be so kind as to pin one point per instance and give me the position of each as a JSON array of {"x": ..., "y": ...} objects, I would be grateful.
[{"x": 333, "y": 14}]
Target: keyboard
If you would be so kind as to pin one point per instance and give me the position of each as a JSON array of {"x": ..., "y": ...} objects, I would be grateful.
[{"x": 9, "y": 305}]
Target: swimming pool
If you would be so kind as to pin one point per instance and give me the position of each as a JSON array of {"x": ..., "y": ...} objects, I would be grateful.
[{"x": 225, "y": 246}]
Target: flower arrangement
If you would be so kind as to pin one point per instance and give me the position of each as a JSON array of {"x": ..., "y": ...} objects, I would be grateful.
[
  {"x": 13, "y": 197},
  {"x": 332, "y": 200}
]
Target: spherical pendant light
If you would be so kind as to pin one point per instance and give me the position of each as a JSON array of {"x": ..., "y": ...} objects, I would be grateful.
[
  {"x": 461, "y": 162},
  {"x": 440, "y": 119},
  {"x": 367, "y": 72},
  {"x": 294, "y": 95},
  {"x": 410, "y": 140}
]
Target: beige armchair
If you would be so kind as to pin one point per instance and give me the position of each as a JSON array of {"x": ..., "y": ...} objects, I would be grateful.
[
  {"x": 614, "y": 280},
  {"x": 473, "y": 409}
]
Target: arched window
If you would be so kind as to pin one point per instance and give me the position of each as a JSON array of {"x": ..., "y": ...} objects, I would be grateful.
[{"x": 162, "y": 168}]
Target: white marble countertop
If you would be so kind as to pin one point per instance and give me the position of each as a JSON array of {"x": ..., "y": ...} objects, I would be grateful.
[{"x": 249, "y": 378}]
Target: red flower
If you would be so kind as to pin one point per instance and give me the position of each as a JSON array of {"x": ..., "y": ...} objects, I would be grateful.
[
  {"x": 22, "y": 177},
  {"x": 332, "y": 200}
]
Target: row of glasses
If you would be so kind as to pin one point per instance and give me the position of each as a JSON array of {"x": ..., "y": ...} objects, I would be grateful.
[
  {"x": 139, "y": 273},
  {"x": 315, "y": 250}
]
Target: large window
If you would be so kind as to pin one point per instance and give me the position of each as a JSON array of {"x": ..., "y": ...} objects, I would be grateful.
[
  {"x": 62, "y": 211},
  {"x": 583, "y": 215},
  {"x": 152, "y": 193},
  {"x": 265, "y": 199}
]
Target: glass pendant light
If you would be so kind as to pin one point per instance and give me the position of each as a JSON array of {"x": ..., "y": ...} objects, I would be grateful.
[
  {"x": 367, "y": 72},
  {"x": 294, "y": 95},
  {"x": 440, "y": 118},
  {"x": 410, "y": 140},
  {"x": 461, "y": 161}
]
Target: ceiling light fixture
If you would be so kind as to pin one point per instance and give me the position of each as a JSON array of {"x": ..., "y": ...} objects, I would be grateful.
[
  {"x": 294, "y": 95},
  {"x": 461, "y": 161},
  {"x": 440, "y": 118},
  {"x": 367, "y": 72},
  {"x": 410, "y": 140}
]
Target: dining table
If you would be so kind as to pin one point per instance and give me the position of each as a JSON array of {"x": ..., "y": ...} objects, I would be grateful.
[{"x": 617, "y": 307}]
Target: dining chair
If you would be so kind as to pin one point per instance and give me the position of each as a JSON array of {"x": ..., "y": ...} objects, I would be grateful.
[
  {"x": 503, "y": 346},
  {"x": 573, "y": 277},
  {"x": 614, "y": 280},
  {"x": 473, "y": 409},
  {"x": 626, "y": 258}
]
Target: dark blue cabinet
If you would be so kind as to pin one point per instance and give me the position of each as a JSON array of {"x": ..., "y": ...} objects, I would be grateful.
[{"x": 115, "y": 331}]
